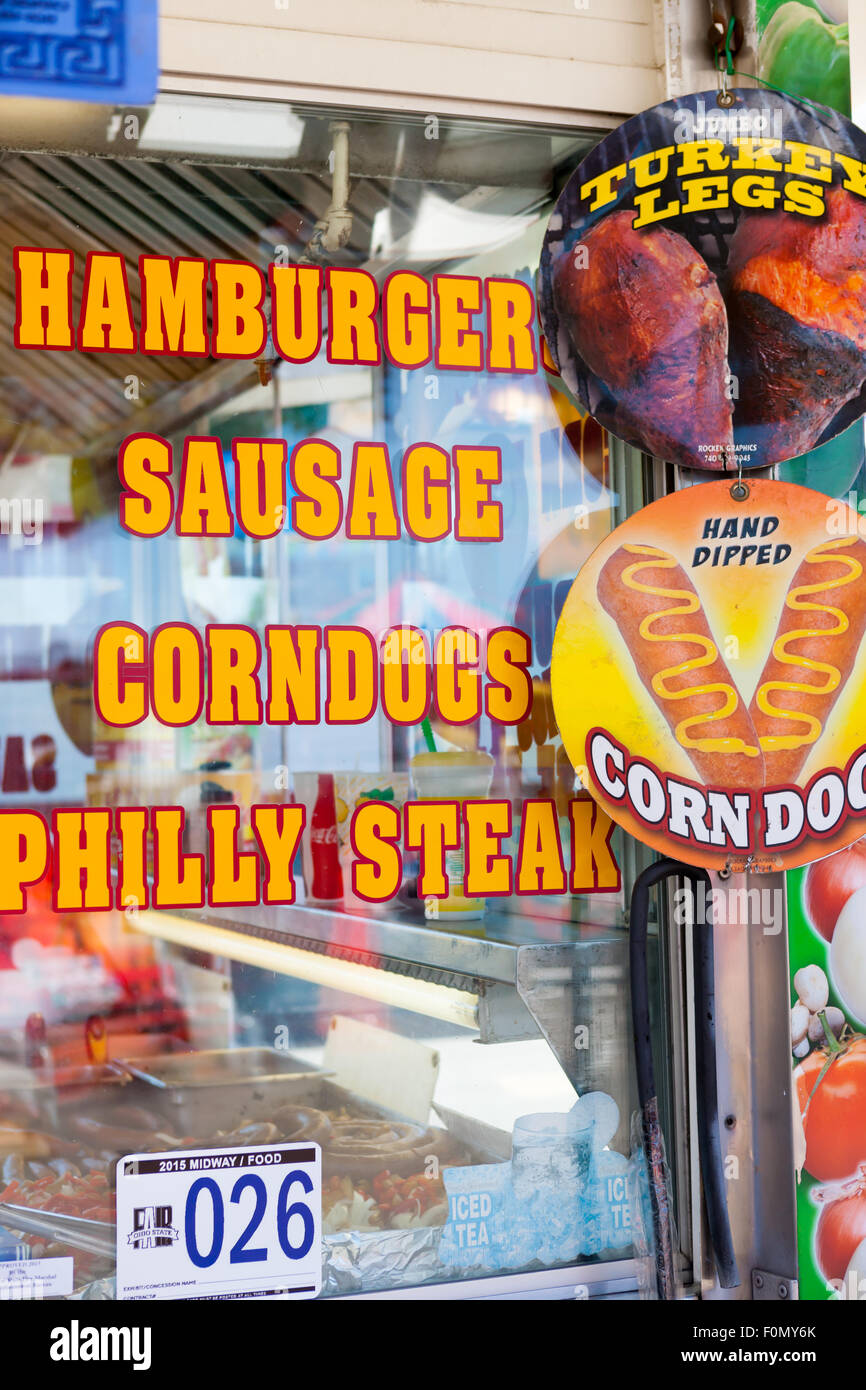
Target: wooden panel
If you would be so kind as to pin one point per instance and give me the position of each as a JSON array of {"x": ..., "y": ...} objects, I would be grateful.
[
  {"x": 455, "y": 24},
  {"x": 298, "y": 14},
  {"x": 575, "y": 76},
  {"x": 471, "y": 109},
  {"x": 632, "y": 11}
]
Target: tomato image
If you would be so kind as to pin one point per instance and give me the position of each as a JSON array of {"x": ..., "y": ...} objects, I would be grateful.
[
  {"x": 834, "y": 1110},
  {"x": 841, "y": 1228}
]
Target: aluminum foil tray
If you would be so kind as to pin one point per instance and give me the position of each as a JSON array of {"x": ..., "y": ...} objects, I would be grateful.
[
  {"x": 374, "y": 1261},
  {"x": 355, "y": 1262}
]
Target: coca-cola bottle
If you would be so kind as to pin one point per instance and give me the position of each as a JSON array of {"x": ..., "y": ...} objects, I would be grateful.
[
  {"x": 35, "y": 1036},
  {"x": 327, "y": 885}
]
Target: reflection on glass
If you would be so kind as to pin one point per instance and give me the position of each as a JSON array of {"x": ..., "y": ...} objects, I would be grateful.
[{"x": 349, "y": 1022}]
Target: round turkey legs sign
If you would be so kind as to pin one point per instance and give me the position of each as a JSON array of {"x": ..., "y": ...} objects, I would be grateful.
[{"x": 703, "y": 281}]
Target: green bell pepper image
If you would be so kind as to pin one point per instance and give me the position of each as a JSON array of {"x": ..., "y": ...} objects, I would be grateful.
[{"x": 803, "y": 54}]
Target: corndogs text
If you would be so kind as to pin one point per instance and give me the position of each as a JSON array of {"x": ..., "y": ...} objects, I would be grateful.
[
  {"x": 305, "y": 674},
  {"x": 752, "y": 172},
  {"x": 740, "y": 823}
]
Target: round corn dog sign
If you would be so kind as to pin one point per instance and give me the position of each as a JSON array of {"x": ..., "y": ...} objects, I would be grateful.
[
  {"x": 702, "y": 285},
  {"x": 709, "y": 675}
]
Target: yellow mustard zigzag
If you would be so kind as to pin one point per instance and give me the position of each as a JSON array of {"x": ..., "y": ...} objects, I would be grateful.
[
  {"x": 686, "y": 602},
  {"x": 796, "y": 601}
]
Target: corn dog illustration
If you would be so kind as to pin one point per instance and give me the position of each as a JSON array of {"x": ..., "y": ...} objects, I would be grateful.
[
  {"x": 654, "y": 604},
  {"x": 813, "y": 654}
]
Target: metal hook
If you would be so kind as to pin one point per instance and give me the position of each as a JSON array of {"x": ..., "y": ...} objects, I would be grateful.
[
  {"x": 722, "y": 98},
  {"x": 726, "y": 40},
  {"x": 739, "y": 489}
]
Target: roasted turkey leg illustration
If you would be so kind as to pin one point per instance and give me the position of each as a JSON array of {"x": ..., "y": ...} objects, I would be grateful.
[
  {"x": 645, "y": 313},
  {"x": 796, "y": 296}
]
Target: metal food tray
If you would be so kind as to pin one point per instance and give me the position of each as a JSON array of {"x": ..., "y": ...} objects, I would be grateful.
[
  {"x": 352, "y": 1261},
  {"x": 49, "y": 1093},
  {"x": 96, "y": 1237},
  {"x": 198, "y": 1093}
]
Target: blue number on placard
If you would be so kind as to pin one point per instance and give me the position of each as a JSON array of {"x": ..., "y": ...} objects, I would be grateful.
[
  {"x": 239, "y": 1254},
  {"x": 204, "y": 1185},
  {"x": 286, "y": 1212}
]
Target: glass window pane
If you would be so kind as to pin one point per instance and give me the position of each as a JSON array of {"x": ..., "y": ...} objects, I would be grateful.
[{"x": 156, "y": 1030}]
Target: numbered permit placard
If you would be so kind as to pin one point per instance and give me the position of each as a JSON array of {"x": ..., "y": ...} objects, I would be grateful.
[{"x": 220, "y": 1223}]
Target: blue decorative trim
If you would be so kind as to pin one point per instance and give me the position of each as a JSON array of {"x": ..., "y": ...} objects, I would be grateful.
[{"x": 79, "y": 50}]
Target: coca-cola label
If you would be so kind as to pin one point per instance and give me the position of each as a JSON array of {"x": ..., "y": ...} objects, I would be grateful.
[{"x": 328, "y": 836}]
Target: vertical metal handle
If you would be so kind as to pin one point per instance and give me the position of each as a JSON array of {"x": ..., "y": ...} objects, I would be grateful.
[
  {"x": 709, "y": 1129},
  {"x": 709, "y": 1135}
]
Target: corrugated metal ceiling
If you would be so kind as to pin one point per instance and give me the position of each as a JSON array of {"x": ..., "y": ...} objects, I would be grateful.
[
  {"x": 69, "y": 401},
  {"x": 76, "y": 403}
]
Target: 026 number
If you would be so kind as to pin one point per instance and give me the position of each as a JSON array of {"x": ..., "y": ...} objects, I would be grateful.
[{"x": 240, "y": 1253}]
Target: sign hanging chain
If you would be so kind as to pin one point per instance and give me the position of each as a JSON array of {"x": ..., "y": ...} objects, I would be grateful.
[
  {"x": 725, "y": 67},
  {"x": 724, "y": 64}
]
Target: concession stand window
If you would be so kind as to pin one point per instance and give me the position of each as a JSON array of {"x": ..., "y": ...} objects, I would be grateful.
[{"x": 408, "y": 1039}]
